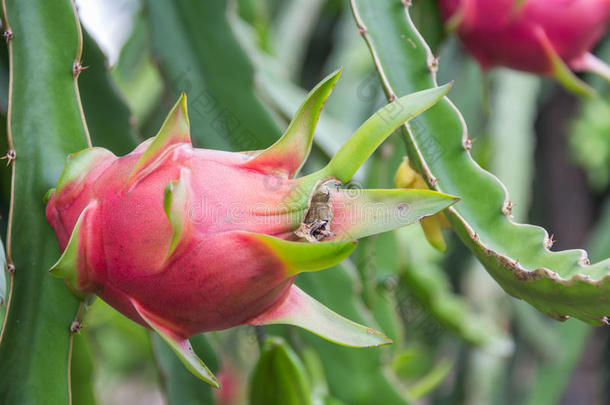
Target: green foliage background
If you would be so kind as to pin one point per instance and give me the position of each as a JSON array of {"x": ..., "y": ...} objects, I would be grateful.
[{"x": 246, "y": 66}]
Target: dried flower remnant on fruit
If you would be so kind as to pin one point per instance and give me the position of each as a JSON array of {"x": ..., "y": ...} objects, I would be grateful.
[{"x": 318, "y": 217}]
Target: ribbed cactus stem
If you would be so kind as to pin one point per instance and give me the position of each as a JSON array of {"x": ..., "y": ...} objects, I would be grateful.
[
  {"x": 560, "y": 284},
  {"x": 44, "y": 124}
]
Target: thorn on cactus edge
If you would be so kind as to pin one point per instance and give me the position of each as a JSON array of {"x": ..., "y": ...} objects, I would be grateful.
[
  {"x": 433, "y": 65},
  {"x": 10, "y": 268},
  {"x": 77, "y": 68},
  {"x": 8, "y": 35},
  {"x": 362, "y": 30},
  {"x": 76, "y": 327},
  {"x": 10, "y": 156},
  {"x": 508, "y": 209},
  {"x": 550, "y": 241},
  {"x": 467, "y": 145},
  {"x": 560, "y": 318}
]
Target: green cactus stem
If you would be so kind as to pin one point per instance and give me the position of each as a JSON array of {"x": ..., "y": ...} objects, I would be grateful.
[
  {"x": 45, "y": 123},
  {"x": 560, "y": 284}
]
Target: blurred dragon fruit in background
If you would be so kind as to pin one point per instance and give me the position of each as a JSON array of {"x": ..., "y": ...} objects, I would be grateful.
[
  {"x": 547, "y": 37},
  {"x": 185, "y": 240}
]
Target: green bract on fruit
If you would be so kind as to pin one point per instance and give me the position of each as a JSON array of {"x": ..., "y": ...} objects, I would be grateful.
[{"x": 185, "y": 240}]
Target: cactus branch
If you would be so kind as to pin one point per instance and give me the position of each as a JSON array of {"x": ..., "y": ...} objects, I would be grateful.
[
  {"x": 9, "y": 259},
  {"x": 44, "y": 124},
  {"x": 75, "y": 327},
  {"x": 560, "y": 284},
  {"x": 77, "y": 68}
]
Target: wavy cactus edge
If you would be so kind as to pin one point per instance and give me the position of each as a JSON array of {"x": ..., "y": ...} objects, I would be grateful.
[
  {"x": 59, "y": 331},
  {"x": 518, "y": 279}
]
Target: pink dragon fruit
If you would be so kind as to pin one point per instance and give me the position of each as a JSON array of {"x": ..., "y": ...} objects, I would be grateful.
[
  {"x": 540, "y": 36},
  {"x": 185, "y": 240}
]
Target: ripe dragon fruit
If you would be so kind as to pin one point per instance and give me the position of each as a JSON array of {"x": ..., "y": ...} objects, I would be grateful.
[
  {"x": 185, "y": 240},
  {"x": 547, "y": 37}
]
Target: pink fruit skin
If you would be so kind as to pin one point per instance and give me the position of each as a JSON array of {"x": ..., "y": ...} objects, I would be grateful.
[
  {"x": 219, "y": 278},
  {"x": 503, "y": 33}
]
